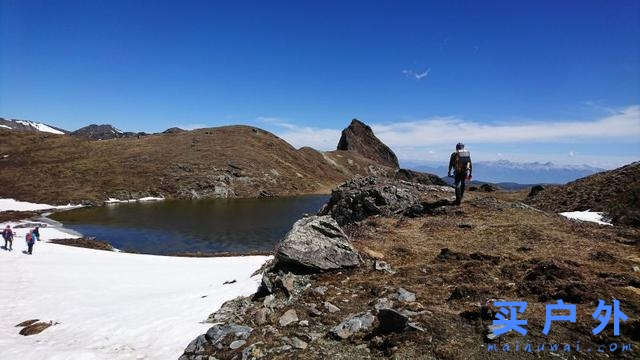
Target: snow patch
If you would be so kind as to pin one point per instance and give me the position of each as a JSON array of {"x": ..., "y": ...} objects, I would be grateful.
[
  {"x": 39, "y": 126},
  {"x": 14, "y": 205},
  {"x": 591, "y": 216},
  {"x": 148, "y": 198},
  {"x": 5, "y": 126},
  {"x": 111, "y": 305}
]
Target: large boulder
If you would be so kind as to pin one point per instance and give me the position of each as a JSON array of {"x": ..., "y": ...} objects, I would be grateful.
[
  {"x": 359, "y": 137},
  {"x": 362, "y": 197},
  {"x": 315, "y": 243}
]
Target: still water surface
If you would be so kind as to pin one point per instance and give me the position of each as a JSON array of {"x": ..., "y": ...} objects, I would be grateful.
[{"x": 189, "y": 226}]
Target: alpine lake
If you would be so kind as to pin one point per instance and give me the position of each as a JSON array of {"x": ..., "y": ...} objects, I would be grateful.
[{"x": 192, "y": 227}]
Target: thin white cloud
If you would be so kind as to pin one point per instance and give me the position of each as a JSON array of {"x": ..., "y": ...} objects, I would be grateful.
[
  {"x": 443, "y": 130},
  {"x": 417, "y": 75},
  {"x": 410, "y": 139}
]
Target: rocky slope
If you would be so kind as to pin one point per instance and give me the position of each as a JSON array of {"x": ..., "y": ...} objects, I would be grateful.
[
  {"x": 359, "y": 137},
  {"x": 229, "y": 161},
  {"x": 616, "y": 192},
  {"x": 392, "y": 269}
]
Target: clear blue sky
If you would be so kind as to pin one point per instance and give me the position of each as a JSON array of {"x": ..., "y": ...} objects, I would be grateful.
[{"x": 304, "y": 69}]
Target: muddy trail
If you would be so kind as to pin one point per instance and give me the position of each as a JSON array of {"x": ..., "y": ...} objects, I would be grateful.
[{"x": 440, "y": 274}]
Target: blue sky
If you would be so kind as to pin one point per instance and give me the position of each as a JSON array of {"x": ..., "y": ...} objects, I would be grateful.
[{"x": 524, "y": 81}]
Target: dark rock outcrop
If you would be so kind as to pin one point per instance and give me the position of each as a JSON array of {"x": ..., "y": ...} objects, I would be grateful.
[
  {"x": 359, "y": 137},
  {"x": 419, "y": 177},
  {"x": 362, "y": 197},
  {"x": 218, "y": 337},
  {"x": 315, "y": 243},
  {"x": 99, "y": 132},
  {"x": 488, "y": 187},
  {"x": 535, "y": 190},
  {"x": 173, "y": 130}
]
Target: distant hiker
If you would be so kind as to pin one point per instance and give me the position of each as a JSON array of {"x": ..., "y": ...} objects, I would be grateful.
[
  {"x": 460, "y": 162},
  {"x": 30, "y": 241},
  {"x": 36, "y": 233},
  {"x": 7, "y": 234}
]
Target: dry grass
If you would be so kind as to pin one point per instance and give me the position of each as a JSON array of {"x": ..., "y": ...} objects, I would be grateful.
[{"x": 509, "y": 252}]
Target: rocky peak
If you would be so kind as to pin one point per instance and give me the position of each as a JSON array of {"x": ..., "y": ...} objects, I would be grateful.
[
  {"x": 359, "y": 137},
  {"x": 99, "y": 132}
]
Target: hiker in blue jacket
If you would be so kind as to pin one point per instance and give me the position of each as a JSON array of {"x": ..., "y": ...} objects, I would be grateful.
[{"x": 7, "y": 234}]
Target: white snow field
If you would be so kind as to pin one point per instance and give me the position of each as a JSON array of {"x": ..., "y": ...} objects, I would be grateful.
[
  {"x": 110, "y": 305},
  {"x": 40, "y": 127},
  {"x": 591, "y": 216},
  {"x": 15, "y": 205}
]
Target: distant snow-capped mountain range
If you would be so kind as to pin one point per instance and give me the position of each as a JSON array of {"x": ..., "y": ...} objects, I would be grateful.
[{"x": 518, "y": 172}]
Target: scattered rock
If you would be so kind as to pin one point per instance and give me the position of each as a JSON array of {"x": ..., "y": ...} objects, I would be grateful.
[
  {"x": 298, "y": 343},
  {"x": 288, "y": 317},
  {"x": 229, "y": 282},
  {"x": 316, "y": 243},
  {"x": 636, "y": 268},
  {"x": 230, "y": 310},
  {"x": 383, "y": 266},
  {"x": 465, "y": 226},
  {"x": 391, "y": 321},
  {"x": 320, "y": 290},
  {"x": 330, "y": 307},
  {"x": 237, "y": 344},
  {"x": 383, "y": 303},
  {"x": 269, "y": 301},
  {"x": 313, "y": 310},
  {"x": 253, "y": 351},
  {"x": 207, "y": 343},
  {"x": 304, "y": 323},
  {"x": 262, "y": 316},
  {"x": 405, "y": 295},
  {"x": 353, "y": 324}
]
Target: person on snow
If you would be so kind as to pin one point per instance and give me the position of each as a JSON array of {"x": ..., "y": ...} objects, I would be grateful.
[
  {"x": 460, "y": 162},
  {"x": 36, "y": 233},
  {"x": 7, "y": 234},
  {"x": 30, "y": 241}
]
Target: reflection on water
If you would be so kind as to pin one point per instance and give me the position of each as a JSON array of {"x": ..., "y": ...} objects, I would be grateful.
[{"x": 188, "y": 226}]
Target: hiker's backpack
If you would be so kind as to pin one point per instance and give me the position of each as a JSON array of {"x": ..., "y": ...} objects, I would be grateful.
[
  {"x": 463, "y": 161},
  {"x": 28, "y": 237}
]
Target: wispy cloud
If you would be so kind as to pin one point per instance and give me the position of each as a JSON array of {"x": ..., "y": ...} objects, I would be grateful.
[
  {"x": 416, "y": 74},
  {"x": 441, "y": 130},
  {"x": 428, "y": 138}
]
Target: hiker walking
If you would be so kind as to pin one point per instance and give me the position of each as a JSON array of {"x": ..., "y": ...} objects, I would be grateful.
[
  {"x": 460, "y": 162},
  {"x": 30, "y": 241},
  {"x": 7, "y": 234},
  {"x": 36, "y": 233}
]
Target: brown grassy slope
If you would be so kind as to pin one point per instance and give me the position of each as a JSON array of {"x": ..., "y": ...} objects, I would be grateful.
[
  {"x": 230, "y": 161},
  {"x": 616, "y": 192},
  {"x": 507, "y": 251}
]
